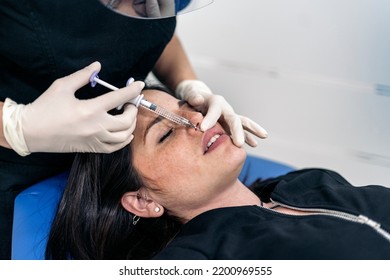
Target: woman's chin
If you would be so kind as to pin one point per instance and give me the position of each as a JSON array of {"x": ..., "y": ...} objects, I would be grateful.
[{"x": 235, "y": 160}]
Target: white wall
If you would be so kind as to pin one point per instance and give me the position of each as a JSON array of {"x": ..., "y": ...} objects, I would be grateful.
[{"x": 314, "y": 73}]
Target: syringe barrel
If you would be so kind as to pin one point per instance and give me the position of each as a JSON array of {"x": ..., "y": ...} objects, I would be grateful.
[{"x": 147, "y": 104}]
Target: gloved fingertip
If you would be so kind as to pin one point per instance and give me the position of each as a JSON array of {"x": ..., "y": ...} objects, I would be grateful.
[
  {"x": 238, "y": 141},
  {"x": 136, "y": 87},
  {"x": 264, "y": 133},
  {"x": 95, "y": 66},
  {"x": 196, "y": 100},
  {"x": 140, "y": 84},
  {"x": 205, "y": 125},
  {"x": 130, "y": 109},
  {"x": 251, "y": 141}
]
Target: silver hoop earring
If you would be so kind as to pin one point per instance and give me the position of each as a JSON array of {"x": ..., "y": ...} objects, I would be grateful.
[{"x": 135, "y": 219}]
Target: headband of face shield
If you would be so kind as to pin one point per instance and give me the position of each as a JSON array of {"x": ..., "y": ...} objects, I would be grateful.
[{"x": 151, "y": 9}]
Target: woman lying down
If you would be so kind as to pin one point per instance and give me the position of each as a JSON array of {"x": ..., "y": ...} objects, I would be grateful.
[{"x": 174, "y": 193}]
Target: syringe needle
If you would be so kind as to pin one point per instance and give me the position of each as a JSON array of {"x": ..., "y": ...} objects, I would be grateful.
[{"x": 190, "y": 124}]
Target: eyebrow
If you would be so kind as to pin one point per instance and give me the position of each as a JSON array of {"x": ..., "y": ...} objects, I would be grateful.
[{"x": 180, "y": 103}]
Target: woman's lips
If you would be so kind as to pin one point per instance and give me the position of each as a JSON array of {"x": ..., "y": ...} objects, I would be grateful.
[{"x": 213, "y": 138}]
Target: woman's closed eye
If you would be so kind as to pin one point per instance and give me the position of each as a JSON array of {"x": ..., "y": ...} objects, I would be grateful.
[{"x": 165, "y": 136}]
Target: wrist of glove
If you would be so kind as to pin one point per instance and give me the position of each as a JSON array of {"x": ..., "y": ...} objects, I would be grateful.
[
  {"x": 215, "y": 108},
  {"x": 12, "y": 126}
]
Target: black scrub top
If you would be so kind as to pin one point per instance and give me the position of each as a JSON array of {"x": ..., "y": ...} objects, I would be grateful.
[
  {"x": 43, "y": 40},
  {"x": 254, "y": 232}
]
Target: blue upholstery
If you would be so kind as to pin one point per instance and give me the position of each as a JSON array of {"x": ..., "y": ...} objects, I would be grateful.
[
  {"x": 260, "y": 168},
  {"x": 35, "y": 207},
  {"x": 33, "y": 213}
]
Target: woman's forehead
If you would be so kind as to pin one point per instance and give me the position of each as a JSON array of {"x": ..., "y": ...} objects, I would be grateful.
[{"x": 159, "y": 97}]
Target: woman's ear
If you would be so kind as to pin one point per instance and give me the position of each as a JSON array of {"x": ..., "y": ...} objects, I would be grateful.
[{"x": 134, "y": 203}]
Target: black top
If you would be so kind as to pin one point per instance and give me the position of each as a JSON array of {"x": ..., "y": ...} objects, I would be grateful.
[
  {"x": 253, "y": 232},
  {"x": 42, "y": 40}
]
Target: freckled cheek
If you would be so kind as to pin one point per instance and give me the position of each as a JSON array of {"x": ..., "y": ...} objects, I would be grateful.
[
  {"x": 156, "y": 168},
  {"x": 174, "y": 168},
  {"x": 168, "y": 162}
]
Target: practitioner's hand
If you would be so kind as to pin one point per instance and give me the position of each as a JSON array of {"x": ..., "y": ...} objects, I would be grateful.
[
  {"x": 215, "y": 107},
  {"x": 59, "y": 122},
  {"x": 160, "y": 8}
]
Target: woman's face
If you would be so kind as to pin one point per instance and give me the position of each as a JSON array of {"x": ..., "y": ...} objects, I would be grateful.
[{"x": 181, "y": 166}]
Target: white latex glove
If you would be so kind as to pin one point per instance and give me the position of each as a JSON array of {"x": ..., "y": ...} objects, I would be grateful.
[
  {"x": 160, "y": 8},
  {"x": 215, "y": 107},
  {"x": 59, "y": 122}
]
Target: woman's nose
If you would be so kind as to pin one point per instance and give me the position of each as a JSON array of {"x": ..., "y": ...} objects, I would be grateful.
[{"x": 194, "y": 117}]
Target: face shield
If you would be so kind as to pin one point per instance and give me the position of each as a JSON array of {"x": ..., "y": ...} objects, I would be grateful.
[{"x": 151, "y": 9}]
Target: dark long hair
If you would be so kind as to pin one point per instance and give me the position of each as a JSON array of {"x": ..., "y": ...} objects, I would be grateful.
[{"x": 92, "y": 224}]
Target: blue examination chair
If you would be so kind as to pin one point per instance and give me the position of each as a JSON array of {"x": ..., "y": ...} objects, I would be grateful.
[{"x": 35, "y": 207}]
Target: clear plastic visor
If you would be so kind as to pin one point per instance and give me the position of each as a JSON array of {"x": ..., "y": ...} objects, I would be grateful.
[{"x": 151, "y": 9}]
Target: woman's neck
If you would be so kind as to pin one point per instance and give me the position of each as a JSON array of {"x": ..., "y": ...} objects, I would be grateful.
[{"x": 237, "y": 194}]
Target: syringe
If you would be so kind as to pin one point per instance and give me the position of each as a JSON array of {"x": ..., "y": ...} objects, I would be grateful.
[{"x": 140, "y": 100}]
